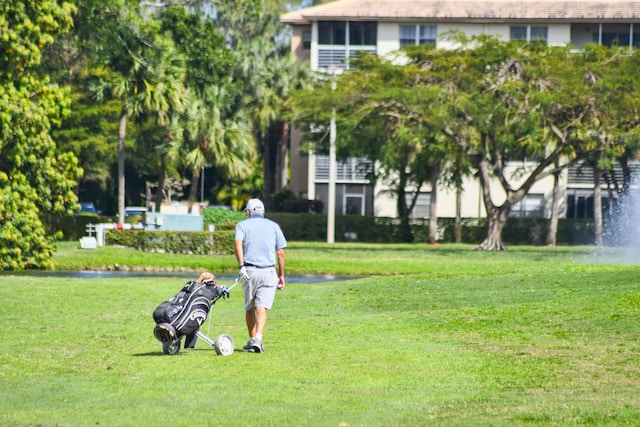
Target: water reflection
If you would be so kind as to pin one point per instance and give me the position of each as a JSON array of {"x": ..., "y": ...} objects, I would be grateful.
[{"x": 222, "y": 278}]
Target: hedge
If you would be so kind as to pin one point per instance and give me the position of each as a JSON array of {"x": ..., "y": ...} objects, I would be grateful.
[
  {"x": 180, "y": 242},
  {"x": 313, "y": 227}
]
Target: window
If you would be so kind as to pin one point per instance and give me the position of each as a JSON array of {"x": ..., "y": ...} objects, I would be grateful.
[
  {"x": 353, "y": 204},
  {"x": 579, "y": 206},
  {"x": 353, "y": 199},
  {"x": 427, "y": 34},
  {"x": 363, "y": 33},
  {"x": 341, "y": 41},
  {"x": 528, "y": 33},
  {"x": 538, "y": 33},
  {"x": 306, "y": 40},
  {"x": 531, "y": 206},
  {"x": 417, "y": 34},
  {"x": 360, "y": 33},
  {"x": 518, "y": 33},
  {"x": 332, "y": 32},
  {"x": 422, "y": 206},
  {"x": 611, "y": 39}
]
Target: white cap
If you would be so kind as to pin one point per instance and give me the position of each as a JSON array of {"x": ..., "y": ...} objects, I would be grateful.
[{"x": 255, "y": 205}]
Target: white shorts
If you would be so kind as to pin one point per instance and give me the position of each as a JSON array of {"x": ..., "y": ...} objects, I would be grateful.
[{"x": 260, "y": 289}]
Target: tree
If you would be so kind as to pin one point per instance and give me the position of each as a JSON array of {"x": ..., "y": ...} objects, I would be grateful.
[
  {"x": 498, "y": 103},
  {"x": 88, "y": 133},
  {"x": 381, "y": 116},
  {"x": 35, "y": 179},
  {"x": 615, "y": 76},
  {"x": 215, "y": 134},
  {"x": 555, "y": 208},
  {"x": 90, "y": 128},
  {"x": 269, "y": 72},
  {"x": 146, "y": 75},
  {"x": 517, "y": 101}
]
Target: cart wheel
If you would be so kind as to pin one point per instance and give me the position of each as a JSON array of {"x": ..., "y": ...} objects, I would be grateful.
[
  {"x": 223, "y": 345},
  {"x": 171, "y": 348}
]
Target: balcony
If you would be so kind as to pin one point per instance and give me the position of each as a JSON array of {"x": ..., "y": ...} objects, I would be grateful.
[{"x": 350, "y": 171}]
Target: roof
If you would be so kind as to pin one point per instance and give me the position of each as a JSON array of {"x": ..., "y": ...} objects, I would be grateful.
[{"x": 469, "y": 11}]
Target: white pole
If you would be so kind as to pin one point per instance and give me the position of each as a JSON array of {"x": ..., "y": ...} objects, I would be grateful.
[{"x": 331, "y": 206}]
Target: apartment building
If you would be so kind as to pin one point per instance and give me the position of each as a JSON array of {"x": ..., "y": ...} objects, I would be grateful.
[{"x": 328, "y": 35}]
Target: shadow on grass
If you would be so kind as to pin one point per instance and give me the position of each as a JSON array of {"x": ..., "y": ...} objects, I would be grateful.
[
  {"x": 154, "y": 353},
  {"x": 190, "y": 350}
]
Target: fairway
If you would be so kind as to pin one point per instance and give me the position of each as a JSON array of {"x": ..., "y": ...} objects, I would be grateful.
[{"x": 533, "y": 338}]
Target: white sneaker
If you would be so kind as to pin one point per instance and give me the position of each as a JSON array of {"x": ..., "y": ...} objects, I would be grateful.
[{"x": 257, "y": 346}]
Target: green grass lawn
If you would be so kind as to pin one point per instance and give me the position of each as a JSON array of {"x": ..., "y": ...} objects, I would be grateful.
[{"x": 422, "y": 336}]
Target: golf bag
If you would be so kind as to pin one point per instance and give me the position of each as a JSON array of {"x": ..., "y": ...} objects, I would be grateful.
[
  {"x": 189, "y": 308},
  {"x": 185, "y": 312}
]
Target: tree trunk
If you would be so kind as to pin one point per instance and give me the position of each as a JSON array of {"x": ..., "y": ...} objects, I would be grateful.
[
  {"x": 275, "y": 156},
  {"x": 433, "y": 205},
  {"x": 597, "y": 202},
  {"x": 193, "y": 191},
  {"x": 405, "y": 234},
  {"x": 555, "y": 208},
  {"x": 282, "y": 156},
  {"x": 268, "y": 165},
  {"x": 162, "y": 171},
  {"x": 122, "y": 132},
  {"x": 457, "y": 226},
  {"x": 497, "y": 218}
]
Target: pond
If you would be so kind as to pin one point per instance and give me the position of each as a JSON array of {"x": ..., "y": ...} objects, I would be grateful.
[{"x": 223, "y": 279}]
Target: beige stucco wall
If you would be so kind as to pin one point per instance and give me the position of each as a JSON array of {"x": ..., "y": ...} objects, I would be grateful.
[
  {"x": 472, "y": 202},
  {"x": 389, "y": 34}
]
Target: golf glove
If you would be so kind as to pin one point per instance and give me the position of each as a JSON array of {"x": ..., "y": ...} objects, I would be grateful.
[
  {"x": 243, "y": 274},
  {"x": 224, "y": 291}
]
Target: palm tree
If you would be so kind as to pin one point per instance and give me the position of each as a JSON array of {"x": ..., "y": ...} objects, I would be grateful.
[
  {"x": 168, "y": 102},
  {"x": 215, "y": 134},
  {"x": 148, "y": 80},
  {"x": 269, "y": 72}
]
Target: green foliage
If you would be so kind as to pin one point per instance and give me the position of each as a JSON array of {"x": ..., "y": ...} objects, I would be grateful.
[
  {"x": 222, "y": 217},
  {"x": 480, "y": 106},
  {"x": 88, "y": 132},
  {"x": 35, "y": 177},
  {"x": 236, "y": 194},
  {"x": 72, "y": 227},
  {"x": 209, "y": 60},
  {"x": 286, "y": 201},
  {"x": 269, "y": 72},
  {"x": 219, "y": 242}
]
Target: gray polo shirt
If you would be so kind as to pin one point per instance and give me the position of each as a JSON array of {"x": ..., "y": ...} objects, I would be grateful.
[{"x": 260, "y": 237}]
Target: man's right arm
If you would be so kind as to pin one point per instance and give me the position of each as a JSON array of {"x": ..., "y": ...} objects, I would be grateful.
[{"x": 239, "y": 253}]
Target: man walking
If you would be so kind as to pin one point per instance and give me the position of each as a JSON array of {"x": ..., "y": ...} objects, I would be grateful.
[{"x": 259, "y": 248}]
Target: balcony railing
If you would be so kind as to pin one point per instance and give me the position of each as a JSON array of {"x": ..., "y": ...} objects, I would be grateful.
[
  {"x": 352, "y": 170},
  {"x": 337, "y": 56}
]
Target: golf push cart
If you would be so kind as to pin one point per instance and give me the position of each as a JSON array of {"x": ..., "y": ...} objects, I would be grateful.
[{"x": 184, "y": 313}]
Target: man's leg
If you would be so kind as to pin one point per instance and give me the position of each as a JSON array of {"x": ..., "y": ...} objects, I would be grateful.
[
  {"x": 190, "y": 340},
  {"x": 261, "y": 320},
  {"x": 250, "y": 317}
]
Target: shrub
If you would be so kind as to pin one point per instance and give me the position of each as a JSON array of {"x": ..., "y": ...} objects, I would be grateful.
[
  {"x": 178, "y": 242},
  {"x": 219, "y": 216}
]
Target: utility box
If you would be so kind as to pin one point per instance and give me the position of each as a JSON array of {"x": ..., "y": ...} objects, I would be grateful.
[
  {"x": 88, "y": 242},
  {"x": 173, "y": 222}
]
